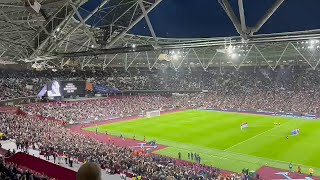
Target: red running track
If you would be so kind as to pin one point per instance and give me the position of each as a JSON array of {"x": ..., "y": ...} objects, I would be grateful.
[
  {"x": 267, "y": 173},
  {"x": 113, "y": 139}
]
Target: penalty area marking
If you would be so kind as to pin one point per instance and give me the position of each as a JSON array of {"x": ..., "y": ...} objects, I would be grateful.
[{"x": 253, "y": 137}]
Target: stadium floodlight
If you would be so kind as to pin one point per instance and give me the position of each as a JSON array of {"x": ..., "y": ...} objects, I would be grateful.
[
  {"x": 233, "y": 55},
  {"x": 133, "y": 46},
  {"x": 175, "y": 57},
  {"x": 230, "y": 49},
  {"x": 58, "y": 29},
  {"x": 92, "y": 46}
]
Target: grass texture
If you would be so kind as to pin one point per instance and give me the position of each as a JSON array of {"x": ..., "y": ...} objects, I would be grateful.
[{"x": 217, "y": 137}]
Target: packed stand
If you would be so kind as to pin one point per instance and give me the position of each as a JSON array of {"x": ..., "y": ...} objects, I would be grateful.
[
  {"x": 52, "y": 136},
  {"x": 9, "y": 171},
  {"x": 98, "y": 109},
  {"x": 285, "y": 89}
]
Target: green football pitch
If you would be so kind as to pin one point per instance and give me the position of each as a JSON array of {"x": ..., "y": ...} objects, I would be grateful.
[{"x": 217, "y": 137}]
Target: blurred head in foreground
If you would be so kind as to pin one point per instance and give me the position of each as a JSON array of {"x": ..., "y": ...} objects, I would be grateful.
[{"x": 89, "y": 171}]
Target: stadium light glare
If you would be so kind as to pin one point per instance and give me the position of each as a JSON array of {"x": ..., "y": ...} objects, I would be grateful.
[
  {"x": 92, "y": 46},
  {"x": 175, "y": 57},
  {"x": 58, "y": 29},
  {"x": 133, "y": 45},
  {"x": 233, "y": 55},
  {"x": 230, "y": 49}
]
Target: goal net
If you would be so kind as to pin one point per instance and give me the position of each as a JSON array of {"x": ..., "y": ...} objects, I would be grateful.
[{"x": 153, "y": 113}]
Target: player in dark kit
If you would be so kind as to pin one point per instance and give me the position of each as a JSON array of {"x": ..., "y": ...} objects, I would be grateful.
[
  {"x": 179, "y": 155},
  {"x": 192, "y": 156},
  {"x": 290, "y": 167}
]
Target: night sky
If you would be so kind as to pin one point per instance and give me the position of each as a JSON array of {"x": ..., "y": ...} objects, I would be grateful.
[{"x": 206, "y": 18}]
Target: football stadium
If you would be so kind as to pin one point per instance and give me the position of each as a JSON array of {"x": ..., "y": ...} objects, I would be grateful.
[{"x": 159, "y": 90}]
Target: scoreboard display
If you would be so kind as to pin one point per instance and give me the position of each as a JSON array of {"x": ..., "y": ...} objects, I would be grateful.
[
  {"x": 65, "y": 88},
  {"x": 73, "y": 87}
]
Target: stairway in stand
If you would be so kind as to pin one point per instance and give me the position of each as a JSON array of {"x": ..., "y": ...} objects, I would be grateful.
[{"x": 42, "y": 166}]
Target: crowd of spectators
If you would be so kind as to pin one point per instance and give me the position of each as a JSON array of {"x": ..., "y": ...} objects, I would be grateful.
[
  {"x": 53, "y": 136},
  {"x": 285, "y": 89},
  {"x": 120, "y": 106},
  {"x": 9, "y": 171},
  {"x": 100, "y": 109}
]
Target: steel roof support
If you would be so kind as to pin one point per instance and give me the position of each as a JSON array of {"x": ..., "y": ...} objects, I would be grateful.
[
  {"x": 237, "y": 68},
  {"x": 128, "y": 65},
  {"x": 155, "y": 62},
  {"x": 21, "y": 35},
  {"x": 44, "y": 42},
  {"x": 204, "y": 68},
  {"x": 313, "y": 67},
  {"x": 263, "y": 57},
  {"x": 86, "y": 30},
  {"x": 108, "y": 12},
  {"x": 149, "y": 64},
  {"x": 184, "y": 58},
  {"x": 242, "y": 16},
  {"x": 265, "y": 18},
  {"x": 229, "y": 11},
  {"x": 146, "y": 17},
  {"x": 123, "y": 33},
  {"x": 210, "y": 62},
  {"x": 80, "y": 24},
  {"x": 105, "y": 59},
  {"x": 124, "y": 13}
]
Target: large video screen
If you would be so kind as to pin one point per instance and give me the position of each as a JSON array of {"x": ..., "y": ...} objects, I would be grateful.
[
  {"x": 53, "y": 89},
  {"x": 73, "y": 87}
]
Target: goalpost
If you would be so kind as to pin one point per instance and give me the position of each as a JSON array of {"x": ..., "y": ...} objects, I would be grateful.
[{"x": 153, "y": 113}]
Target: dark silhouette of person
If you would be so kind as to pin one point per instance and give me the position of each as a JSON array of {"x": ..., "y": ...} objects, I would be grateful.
[{"x": 89, "y": 171}]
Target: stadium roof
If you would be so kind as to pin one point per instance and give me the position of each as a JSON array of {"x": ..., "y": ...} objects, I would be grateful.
[
  {"x": 206, "y": 18},
  {"x": 134, "y": 33}
]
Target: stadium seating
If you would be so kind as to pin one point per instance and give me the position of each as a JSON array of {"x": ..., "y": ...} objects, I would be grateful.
[
  {"x": 51, "y": 135},
  {"x": 41, "y": 166},
  {"x": 285, "y": 89}
]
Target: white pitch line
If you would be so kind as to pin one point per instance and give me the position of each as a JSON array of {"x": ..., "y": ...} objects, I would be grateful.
[{"x": 254, "y": 137}]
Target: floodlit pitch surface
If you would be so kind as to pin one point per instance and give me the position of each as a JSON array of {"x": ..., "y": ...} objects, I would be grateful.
[{"x": 217, "y": 137}]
